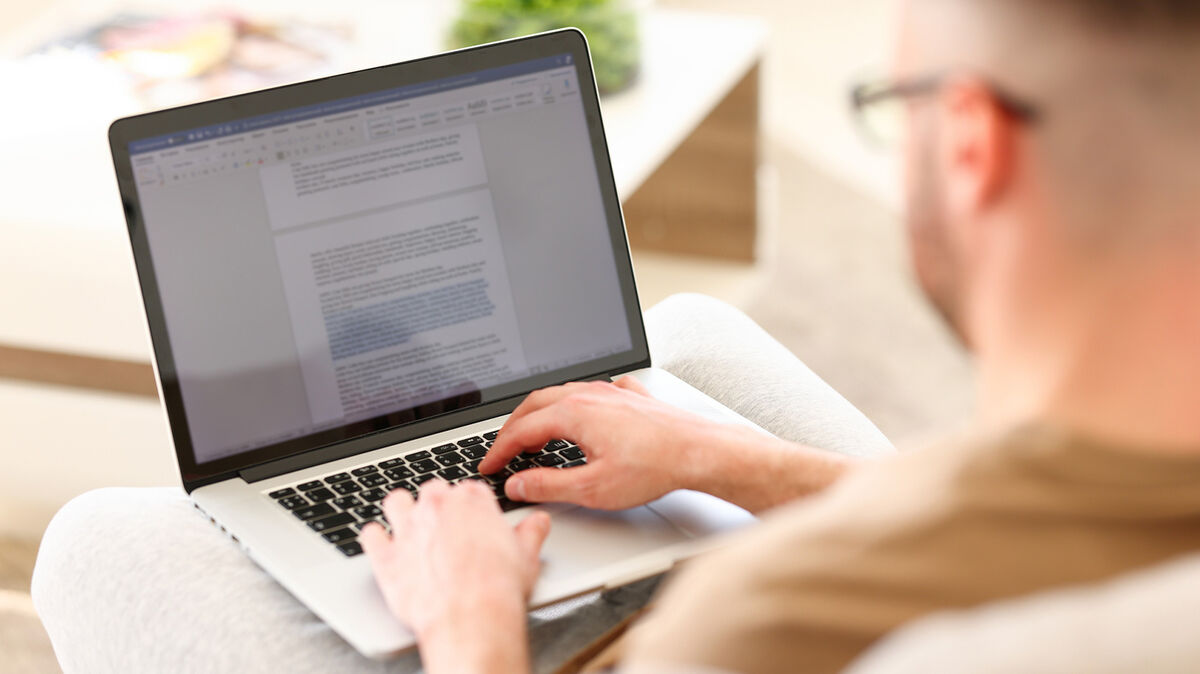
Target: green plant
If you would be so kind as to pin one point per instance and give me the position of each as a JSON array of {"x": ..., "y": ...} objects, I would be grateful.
[{"x": 610, "y": 27}]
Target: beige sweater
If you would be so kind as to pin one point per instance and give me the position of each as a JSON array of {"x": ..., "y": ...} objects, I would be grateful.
[{"x": 958, "y": 525}]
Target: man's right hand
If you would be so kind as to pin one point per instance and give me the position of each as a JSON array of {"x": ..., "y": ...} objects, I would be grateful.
[{"x": 637, "y": 448}]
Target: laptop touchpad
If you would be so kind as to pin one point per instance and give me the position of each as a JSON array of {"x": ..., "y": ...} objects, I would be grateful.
[{"x": 581, "y": 539}]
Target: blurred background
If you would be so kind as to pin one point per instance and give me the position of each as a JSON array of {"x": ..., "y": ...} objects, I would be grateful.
[{"x": 741, "y": 174}]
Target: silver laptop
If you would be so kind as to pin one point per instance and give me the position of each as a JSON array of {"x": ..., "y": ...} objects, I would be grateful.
[{"x": 350, "y": 282}]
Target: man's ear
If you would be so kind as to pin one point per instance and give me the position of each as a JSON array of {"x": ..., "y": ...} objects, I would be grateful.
[{"x": 977, "y": 147}]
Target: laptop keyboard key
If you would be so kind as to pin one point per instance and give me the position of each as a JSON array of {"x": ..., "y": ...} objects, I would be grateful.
[
  {"x": 373, "y": 495},
  {"x": 339, "y": 535},
  {"x": 364, "y": 470},
  {"x": 318, "y": 495},
  {"x": 425, "y": 466},
  {"x": 452, "y": 473},
  {"x": 549, "y": 460},
  {"x": 331, "y": 522},
  {"x": 572, "y": 464},
  {"x": 337, "y": 477},
  {"x": 417, "y": 456},
  {"x": 572, "y": 453},
  {"x": 391, "y": 463},
  {"x": 314, "y": 511},
  {"x": 309, "y": 486},
  {"x": 280, "y": 493},
  {"x": 346, "y": 487},
  {"x": 422, "y": 479},
  {"x": 555, "y": 445},
  {"x": 451, "y": 459},
  {"x": 347, "y": 502},
  {"x": 293, "y": 502},
  {"x": 472, "y": 466},
  {"x": 368, "y": 512},
  {"x": 403, "y": 484},
  {"x": 350, "y": 548},
  {"x": 442, "y": 449},
  {"x": 506, "y": 504},
  {"x": 467, "y": 442},
  {"x": 398, "y": 473},
  {"x": 372, "y": 480},
  {"x": 475, "y": 452},
  {"x": 491, "y": 435}
]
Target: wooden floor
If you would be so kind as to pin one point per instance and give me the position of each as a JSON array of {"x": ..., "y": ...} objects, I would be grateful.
[{"x": 24, "y": 646}]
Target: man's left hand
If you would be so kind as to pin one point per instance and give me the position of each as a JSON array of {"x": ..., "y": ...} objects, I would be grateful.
[{"x": 455, "y": 572}]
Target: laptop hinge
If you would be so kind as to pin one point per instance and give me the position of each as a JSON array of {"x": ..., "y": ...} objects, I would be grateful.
[
  {"x": 368, "y": 443},
  {"x": 341, "y": 450}
]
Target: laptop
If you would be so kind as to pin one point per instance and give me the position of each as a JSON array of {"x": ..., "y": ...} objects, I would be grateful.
[{"x": 350, "y": 282}]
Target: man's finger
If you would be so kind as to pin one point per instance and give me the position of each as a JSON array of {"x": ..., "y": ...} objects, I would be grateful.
[
  {"x": 373, "y": 537},
  {"x": 531, "y": 533},
  {"x": 375, "y": 542},
  {"x": 533, "y": 430},
  {"x": 432, "y": 491},
  {"x": 396, "y": 507},
  {"x": 631, "y": 384},
  {"x": 540, "y": 485},
  {"x": 476, "y": 491}
]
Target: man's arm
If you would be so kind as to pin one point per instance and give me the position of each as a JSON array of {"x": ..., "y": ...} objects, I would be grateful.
[
  {"x": 639, "y": 449},
  {"x": 758, "y": 472}
]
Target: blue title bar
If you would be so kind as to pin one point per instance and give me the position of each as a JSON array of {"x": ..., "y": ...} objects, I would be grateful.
[{"x": 207, "y": 133}]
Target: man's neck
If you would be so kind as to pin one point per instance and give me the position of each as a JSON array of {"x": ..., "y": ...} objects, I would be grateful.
[{"x": 1120, "y": 362}]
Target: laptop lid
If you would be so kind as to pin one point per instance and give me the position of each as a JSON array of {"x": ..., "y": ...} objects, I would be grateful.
[{"x": 341, "y": 264}]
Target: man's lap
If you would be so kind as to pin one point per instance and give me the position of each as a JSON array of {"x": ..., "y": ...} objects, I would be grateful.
[{"x": 136, "y": 579}]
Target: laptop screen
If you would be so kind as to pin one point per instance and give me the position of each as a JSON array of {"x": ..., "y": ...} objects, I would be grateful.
[{"x": 350, "y": 263}]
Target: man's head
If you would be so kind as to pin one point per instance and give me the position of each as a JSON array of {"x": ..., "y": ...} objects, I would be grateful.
[{"x": 1011, "y": 216}]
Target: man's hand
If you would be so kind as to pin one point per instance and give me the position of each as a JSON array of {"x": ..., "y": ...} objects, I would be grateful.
[
  {"x": 458, "y": 575},
  {"x": 638, "y": 448}
]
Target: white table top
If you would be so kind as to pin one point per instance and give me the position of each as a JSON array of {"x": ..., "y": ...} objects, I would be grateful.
[{"x": 66, "y": 276}]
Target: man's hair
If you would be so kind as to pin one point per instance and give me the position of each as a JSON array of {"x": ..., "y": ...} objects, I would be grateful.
[
  {"x": 1133, "y": 15},
  {"x": 1117, "y": 83}
]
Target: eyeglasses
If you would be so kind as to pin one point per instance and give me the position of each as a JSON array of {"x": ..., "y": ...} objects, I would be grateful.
[{"x": 880, "y": 108}]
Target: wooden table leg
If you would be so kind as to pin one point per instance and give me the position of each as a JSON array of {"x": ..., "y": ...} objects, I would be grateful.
[{"x": 703, "y": 200}]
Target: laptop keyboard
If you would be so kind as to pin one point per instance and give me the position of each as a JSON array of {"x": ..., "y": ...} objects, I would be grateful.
[{"x": 340, "y": 504}]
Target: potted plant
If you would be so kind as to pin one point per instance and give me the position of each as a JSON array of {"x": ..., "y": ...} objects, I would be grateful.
[{"x": 611, "y": 28}]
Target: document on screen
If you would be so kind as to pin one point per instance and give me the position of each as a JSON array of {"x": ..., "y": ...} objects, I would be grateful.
[
  {"x": 400, "y": 306},
  {"x": 410, "y": 167}
]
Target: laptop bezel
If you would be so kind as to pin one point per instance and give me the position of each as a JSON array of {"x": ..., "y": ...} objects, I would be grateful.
[{"x": 262, "y": 462}]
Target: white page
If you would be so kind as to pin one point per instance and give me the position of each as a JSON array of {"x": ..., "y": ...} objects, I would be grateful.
[{"x": 400, "y": 307}]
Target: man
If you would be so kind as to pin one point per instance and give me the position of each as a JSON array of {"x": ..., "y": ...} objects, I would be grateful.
[{"x": 1054, "y": 220}]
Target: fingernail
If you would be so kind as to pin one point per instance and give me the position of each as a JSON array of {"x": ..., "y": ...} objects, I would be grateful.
[{"x": 517, "y": 489}]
